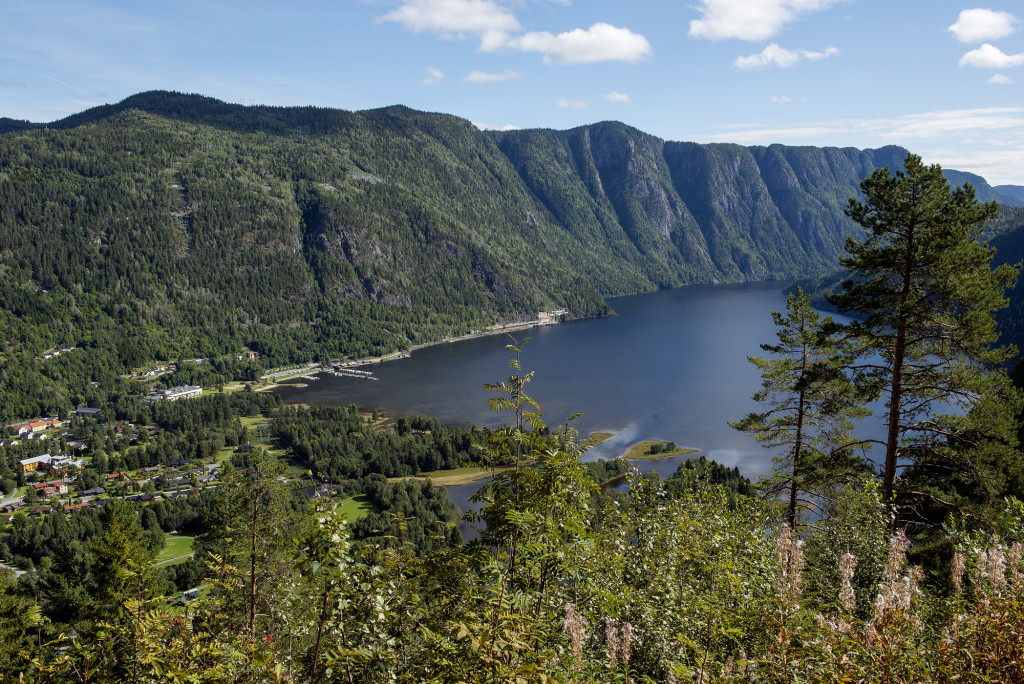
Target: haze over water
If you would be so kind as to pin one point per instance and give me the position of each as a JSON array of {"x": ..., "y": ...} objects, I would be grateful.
[{"x": 671, "y": 365}]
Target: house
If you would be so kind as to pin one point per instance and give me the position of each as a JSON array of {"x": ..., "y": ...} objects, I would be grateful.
[
  {"x": 87, "y": 411},
  {"x": 25, "y": 430},
  {"x": 322, "y": 491},
  {"x": 95, "y": 491},
  {"x": 244, "y": 449},
  {"x": 115, "y": 476},
  {"x": 49, "y": 488}
]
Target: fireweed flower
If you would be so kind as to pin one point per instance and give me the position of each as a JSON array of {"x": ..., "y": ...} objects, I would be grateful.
[
  {"x": 847, "y": 566},
  {"x": 574, "y": 627},
  {"x": 996, "y": 567},
  {"x": 959, "y": 566},
  {"x": 611, "y": 637},
  {"x": 898, "y": 546},
  {"x": 625, "y": 642},
  {"x": 791, "y": 561}
]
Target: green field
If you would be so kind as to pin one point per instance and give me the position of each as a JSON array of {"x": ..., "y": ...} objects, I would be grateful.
[
  {"x": 178, "y": 549},
  {"x": 356, "y": 507}
]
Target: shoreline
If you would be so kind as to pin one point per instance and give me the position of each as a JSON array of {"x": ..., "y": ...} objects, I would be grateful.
[
  {"x": 471, "y": 474},
  {"x": 405, "y": 353}
]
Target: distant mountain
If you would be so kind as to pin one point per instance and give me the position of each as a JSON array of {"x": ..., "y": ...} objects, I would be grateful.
[
  {"x": 178, "y": 225},
  {"x": 1012, "y": 195}
]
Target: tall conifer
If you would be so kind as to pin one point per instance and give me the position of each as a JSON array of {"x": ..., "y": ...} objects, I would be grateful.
[
  {"x": 811, "y": 404},
  {"x": 922, "y": 290}
]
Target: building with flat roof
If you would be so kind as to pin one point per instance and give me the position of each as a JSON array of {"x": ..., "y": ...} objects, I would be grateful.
[{"x": 175, "y": 393}]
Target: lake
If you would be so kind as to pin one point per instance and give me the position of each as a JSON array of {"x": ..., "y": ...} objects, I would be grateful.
[{"x": 671, "y": 365}]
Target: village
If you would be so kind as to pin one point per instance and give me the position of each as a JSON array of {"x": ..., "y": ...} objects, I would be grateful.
[{"x": 67, "y": 478}]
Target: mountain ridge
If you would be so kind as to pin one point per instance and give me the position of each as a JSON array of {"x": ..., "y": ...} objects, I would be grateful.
[{"x": 170, "y": 225}]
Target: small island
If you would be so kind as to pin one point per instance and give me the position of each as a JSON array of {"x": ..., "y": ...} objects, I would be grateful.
[{"x": 656, "y": 448}]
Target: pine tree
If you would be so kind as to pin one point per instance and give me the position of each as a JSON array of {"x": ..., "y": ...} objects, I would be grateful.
[
  {"x": 922, "y": 290},
  {"x": 811, "y": 403},
  {"x": 243, "y": 543}
]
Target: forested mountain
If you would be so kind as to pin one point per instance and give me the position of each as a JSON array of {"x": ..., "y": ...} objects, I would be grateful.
[{"x": 177, "y": 225}]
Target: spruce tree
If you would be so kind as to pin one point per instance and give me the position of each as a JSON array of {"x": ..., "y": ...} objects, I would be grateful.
[
  {"x": 121, "y": 561},
  {"x": 811, "y": 404},
  {"x": 922, "y": 291}
]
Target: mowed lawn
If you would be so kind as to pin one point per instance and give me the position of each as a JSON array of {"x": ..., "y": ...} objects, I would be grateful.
[
  {"x": 178, "y": 549},
  {"x": 356, "y": 507}
]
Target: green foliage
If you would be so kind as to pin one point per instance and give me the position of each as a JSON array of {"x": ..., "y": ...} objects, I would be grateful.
[
  {"x": 696, "y": 472},
  {"x": 338, "y": 444},
  {"x": 414, "y": 514},
  {"x": 244, "y": 544}
]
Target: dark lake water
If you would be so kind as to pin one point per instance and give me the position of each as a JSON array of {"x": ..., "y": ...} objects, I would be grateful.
[{"x": 671, "y": 365}]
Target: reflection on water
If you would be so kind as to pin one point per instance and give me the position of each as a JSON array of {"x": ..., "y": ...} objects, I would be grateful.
[{"x": 671, "y": 365}]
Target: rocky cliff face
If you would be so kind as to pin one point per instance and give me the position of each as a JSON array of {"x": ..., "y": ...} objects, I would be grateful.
[{"x": 678, "y": 212}]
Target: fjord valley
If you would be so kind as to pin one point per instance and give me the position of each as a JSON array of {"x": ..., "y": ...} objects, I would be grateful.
[
  {"x": 171, "y": 226},
  {"x": 164, "y": 258}
]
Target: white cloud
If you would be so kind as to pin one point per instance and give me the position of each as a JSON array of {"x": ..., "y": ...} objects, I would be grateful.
[
  {"x": 495, "y": 127},
  {"x": 433, "y": 76},
  {"x": 457, "y": 19},
  {"x": 599, "y": 43},
  {"x": 617, "y": 97},
  {"x": 1000, "y": 79},
  {"x": 893, "y": 129},
  {"x": 975, "y": 25},
  {"x": 779, "y": 56},
  {"x": 750, "y": 19},
  {"x": 780, "y": 99},
  {"x": 484, "y": 77},
  {"x": 991, "y": 57},
  {"x": 572, "y": 104},
  {"x": 810, "y": 54}
]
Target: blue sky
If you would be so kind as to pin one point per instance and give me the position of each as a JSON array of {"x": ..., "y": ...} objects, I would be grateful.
[{"x": 941, "y": 78}]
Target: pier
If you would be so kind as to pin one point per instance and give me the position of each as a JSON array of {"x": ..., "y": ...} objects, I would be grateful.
[{"x": 352, "y": 373}]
